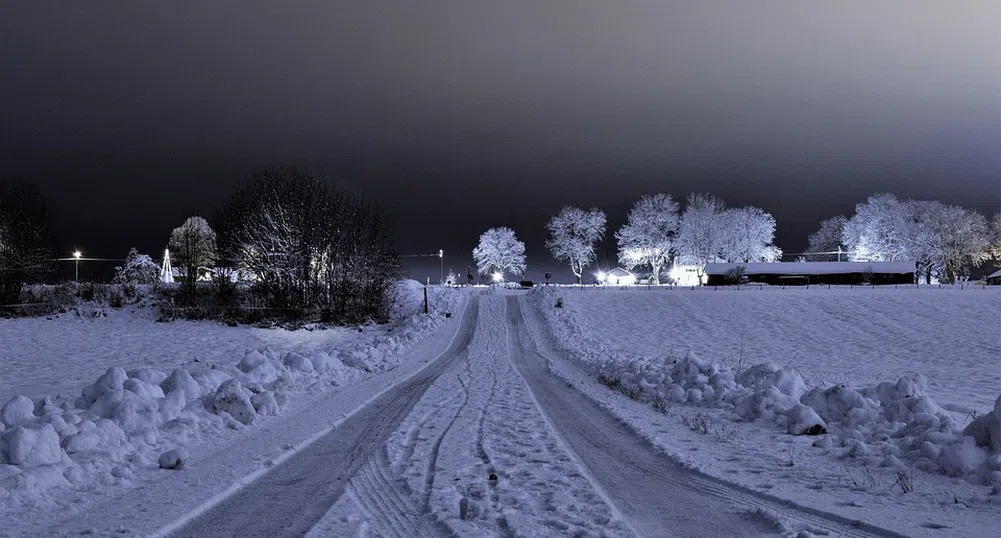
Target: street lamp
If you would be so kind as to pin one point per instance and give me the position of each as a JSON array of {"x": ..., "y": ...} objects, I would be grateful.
[
  {"x": 441, "y": 266},
  {"x": 76, "y": 257},
  {"x": 498, "y": 276}
]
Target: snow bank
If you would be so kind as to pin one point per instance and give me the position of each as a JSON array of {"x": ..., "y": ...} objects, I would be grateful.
[
  {"x": 145, "y": 417},
  {"x": 889, "y": 422}
]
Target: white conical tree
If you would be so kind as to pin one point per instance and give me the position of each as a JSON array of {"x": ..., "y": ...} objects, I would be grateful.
[{"x": 166, "y": 272}]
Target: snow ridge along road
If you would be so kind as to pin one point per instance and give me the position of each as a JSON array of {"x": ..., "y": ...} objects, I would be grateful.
[
  {"x": 656, "y": 494},
  {"x": 293, "y": 496}
]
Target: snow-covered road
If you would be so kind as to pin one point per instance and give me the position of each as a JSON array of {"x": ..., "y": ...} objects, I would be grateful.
[{"x": 486, "y": 441}]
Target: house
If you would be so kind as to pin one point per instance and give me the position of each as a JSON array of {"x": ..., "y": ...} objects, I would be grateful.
[
  {"x": 803, "y": 273},
  {"x": 994, "y": 279},
  {"x": 617, "y": 277}
]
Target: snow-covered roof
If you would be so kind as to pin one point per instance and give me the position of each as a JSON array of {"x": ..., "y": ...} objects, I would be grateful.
[
  {"x": 618, "y": 271},
  {"x": 995, "y": 274},
  {"x": 812, "y": 268}
]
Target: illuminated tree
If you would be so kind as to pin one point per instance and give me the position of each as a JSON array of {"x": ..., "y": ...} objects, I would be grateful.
[
  {"x": 650, "y": 234},
  {"x": 574, "y": 233},
  {"x": 499, "y": 251},
  {"x": 702, "y": 230}
]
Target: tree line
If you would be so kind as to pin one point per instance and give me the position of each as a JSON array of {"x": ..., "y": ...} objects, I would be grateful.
[
  {"x": 302, "y": 242},
  {"x": 943, "y": 240}
]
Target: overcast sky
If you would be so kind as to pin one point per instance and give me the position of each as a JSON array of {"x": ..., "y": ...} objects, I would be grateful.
[{"x": 461, "y": 115}]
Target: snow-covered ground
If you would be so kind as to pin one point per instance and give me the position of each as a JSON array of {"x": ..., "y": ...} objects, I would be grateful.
[
  {"x": 856, "y": 336},
  {"x": 165, "y": 395},
  {"x": 880, "y": 440}
]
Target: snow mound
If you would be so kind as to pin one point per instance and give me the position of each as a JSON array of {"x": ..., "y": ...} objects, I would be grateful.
[
  {"x": 143, "y": 417},
  {"x": 895, "y": 422}
]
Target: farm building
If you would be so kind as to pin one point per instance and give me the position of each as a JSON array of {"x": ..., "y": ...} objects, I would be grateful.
[
  {"x": 803, "y": 273},
  {"x": 994, "y": 279},
  {"x": 617, "y": 277}
]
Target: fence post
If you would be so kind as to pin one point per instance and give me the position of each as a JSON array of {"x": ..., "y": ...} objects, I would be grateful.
[{"x": 425, "y": 299}]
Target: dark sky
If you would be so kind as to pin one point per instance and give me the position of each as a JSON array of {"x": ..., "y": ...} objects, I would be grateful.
[{"x": 461, "y": 115}]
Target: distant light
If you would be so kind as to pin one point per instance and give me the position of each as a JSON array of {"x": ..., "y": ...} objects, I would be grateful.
[
  {"x": 601, "y": 276},
  {"x": 77, "y": 254},
  {"x": 441, "y": 253},
  {"x": 498, "y": 277}
]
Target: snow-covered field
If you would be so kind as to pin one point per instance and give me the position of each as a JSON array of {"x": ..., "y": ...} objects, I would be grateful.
[
  {"x": 856, "y": 336},
  {"x": 890, "y": 456},
  {"x": 163, "y": 392}
]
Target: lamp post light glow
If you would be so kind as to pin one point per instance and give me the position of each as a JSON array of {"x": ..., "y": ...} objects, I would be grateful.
[
  {"x": 441, "y": 267},
  {"x": 601, "y": 276},
  {"x": 498, "y": 276},
  {"x": 76, "y": 256}
]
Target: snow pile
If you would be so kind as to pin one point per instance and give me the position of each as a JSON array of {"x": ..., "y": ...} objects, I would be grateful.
[
  {"x": 891, "y": 424},
  {"x": 144, "y": 417}
]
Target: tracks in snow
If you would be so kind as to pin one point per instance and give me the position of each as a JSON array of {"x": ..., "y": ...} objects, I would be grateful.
[
  {"x": 292, "y": 497},
  {"x": 656, "y": 493}
]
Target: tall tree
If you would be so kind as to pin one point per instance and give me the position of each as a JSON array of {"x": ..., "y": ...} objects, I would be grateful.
[
  {"x": 194, "y": 246},
  {"x": 573, "y": 234},
  {"x": 746, "y": 235},
  {"x": 24, "y": 238},
  {"x": 499, "y": 251},
  {"x": 827, "y": 239},
  {"x": 650, "y": 233},
  {"x": 877, "y": 231},
  {"x": 963, "y": 240},
  {"x": 701, "y": 233}
]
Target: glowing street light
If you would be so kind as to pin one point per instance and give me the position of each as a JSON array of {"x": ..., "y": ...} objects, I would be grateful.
[
  {"x": 601, "y": 276},
  {"x": 76, "y": 257},
  {"x": 441, "y": 266},
  {"x": 498, "y": 276}
]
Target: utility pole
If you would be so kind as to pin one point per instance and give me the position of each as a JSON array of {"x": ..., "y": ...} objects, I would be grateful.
[
  {"x": 76, "y": 258},
  {"x": 441, "y": 266}
]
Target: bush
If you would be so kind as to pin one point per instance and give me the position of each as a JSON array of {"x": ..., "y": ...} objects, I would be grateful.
[
  {"x": 138, "y": 269},
  {"x": 735, "y": 275},
  {"x": 559, "y": 302}
]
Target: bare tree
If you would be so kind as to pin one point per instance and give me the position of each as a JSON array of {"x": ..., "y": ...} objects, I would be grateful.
[
  {"x": 574, "y": 233},
  {"x": 24, "y": 236},
  {"x": 194, "y": 246},
  {"x": 310, "y": 244},
  {"x": 650, "y": 233},
  {"x": 498, "y": 251}
]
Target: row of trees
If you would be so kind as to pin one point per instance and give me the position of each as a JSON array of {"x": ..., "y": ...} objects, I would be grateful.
[
  {"x": 656, "y": 232},
  {"x": 304, "y": 243},
  {"x": 943, "y": 240}
]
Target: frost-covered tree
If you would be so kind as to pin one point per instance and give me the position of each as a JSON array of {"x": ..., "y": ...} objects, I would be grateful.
[
  {"x": 137, "y": 269},
  {"x": 878, "y": 230},
  {"x": 827, "y": 239},
  {"x": 193, "y": 245},
  {"x": 573, "y": 235},
  {"x": 701, "y": 232},
  {"x": 963, "y": 236},
  {"x": 499, "y": 251},
  {"x": 746, "y": 235},
  {"x": 24, "y": 229},
  {"x": 650, "y": 234},
  {"x": 994, "y": 239}
]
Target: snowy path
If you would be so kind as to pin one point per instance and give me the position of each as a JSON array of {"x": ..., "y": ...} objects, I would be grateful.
[
  {"x": 654, "y": 492},
  {"x": 290, "y": 499}
]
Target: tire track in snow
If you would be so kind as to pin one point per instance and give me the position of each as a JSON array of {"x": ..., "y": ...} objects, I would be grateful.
[
  {"x": 290, "y": 498},
  {"x": 657, "y": 493},
  {"x": 385, "y": 499},
  {"x": 436, "y": 447},
  {"x": 481, "y": 452}
]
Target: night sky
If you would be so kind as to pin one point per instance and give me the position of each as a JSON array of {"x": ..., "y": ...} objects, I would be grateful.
[{"x": 462, "y": 115}]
